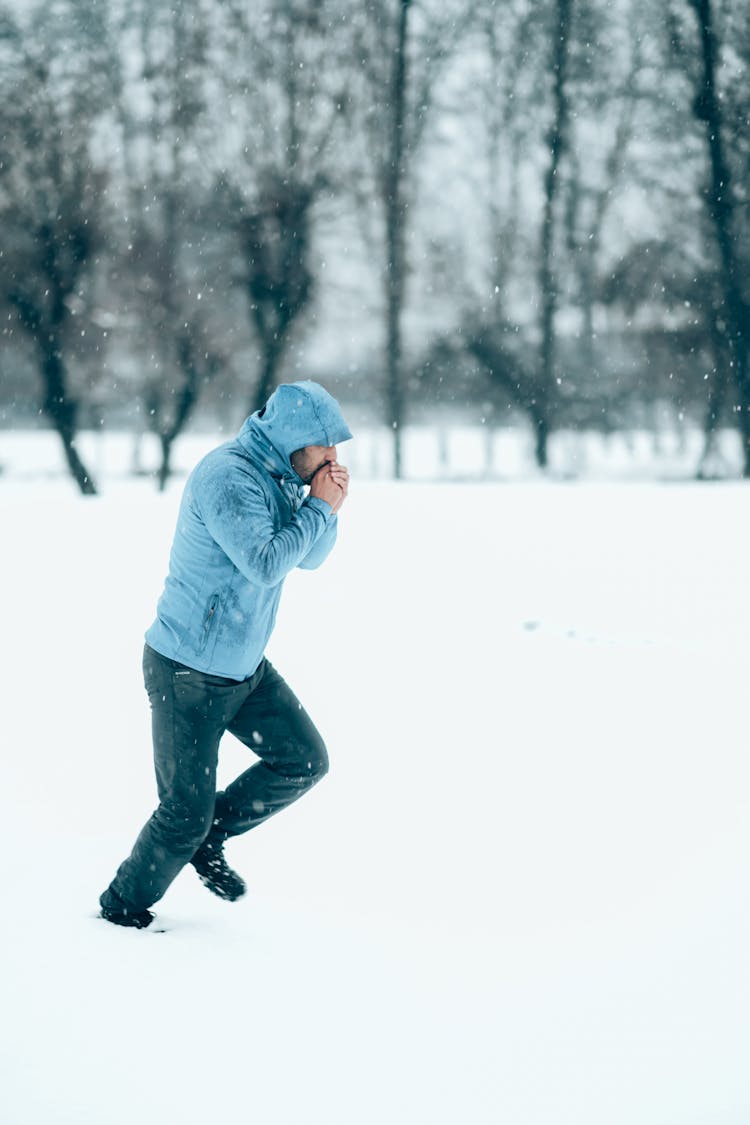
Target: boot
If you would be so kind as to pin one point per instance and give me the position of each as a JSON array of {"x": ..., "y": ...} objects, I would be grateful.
[
  {"x": 139, "y": 919},
  {"x": 216, "y": 874}
]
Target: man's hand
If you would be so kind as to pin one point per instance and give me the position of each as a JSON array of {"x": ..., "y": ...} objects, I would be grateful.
[{"x": 331, "y": 483}]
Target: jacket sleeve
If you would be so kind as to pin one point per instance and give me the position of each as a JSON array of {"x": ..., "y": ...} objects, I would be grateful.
[
  {"x": 235, "y": 512},
  {"x": 322, "y": 547}
]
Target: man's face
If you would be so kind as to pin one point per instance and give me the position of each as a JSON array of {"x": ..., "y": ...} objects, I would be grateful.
[{"x": 307, "y": 461}]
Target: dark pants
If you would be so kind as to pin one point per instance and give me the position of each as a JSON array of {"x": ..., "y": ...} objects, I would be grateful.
[{"x": 190, "y": 712}]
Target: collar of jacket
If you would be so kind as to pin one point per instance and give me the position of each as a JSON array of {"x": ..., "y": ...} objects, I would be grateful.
[{"x": 266, "y": 456}]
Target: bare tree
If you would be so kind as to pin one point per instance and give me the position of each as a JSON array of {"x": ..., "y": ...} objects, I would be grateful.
[
  {"x": 284, "y": 96},
  {"x": 723, "y": 203},
  {"x": 404, "y": 46},
  {"x": 393, "y": 177},
  {"x": 607, "y": 65},
  {"x": 556, "y": 141},
  {"x": 274, "y": 236},
  {"x": 162, "y": 112},
  {"x": 503, "y": 93},
  {"x": 555, "y": 76},
  {"x": 50, "y": 193},
  {"x": 543, "y": 38}
]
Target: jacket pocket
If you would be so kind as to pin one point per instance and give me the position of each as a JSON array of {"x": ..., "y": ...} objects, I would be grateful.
[{"x": 208, "y": 621}]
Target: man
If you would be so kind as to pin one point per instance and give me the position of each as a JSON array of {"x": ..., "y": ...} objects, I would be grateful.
[{"x": 244, "y": 523}]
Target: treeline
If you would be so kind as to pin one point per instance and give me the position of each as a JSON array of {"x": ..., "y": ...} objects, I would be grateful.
[{"x": 514, "y": 209}]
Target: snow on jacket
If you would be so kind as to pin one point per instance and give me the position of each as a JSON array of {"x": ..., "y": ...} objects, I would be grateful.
[{"x": 244, "y": 523}]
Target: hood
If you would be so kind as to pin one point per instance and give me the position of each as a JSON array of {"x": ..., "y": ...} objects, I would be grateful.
[{"x": 296, "y": 415}]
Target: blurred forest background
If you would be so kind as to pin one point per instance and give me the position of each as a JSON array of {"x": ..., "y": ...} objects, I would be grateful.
[{"x": 514, "y": 214}]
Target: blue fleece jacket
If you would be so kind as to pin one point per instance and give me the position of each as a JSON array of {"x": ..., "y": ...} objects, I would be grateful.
[{"x": 244, "y": 523}]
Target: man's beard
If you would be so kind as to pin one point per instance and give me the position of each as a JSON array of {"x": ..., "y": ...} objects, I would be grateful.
[{"x": 308, "y": 479}]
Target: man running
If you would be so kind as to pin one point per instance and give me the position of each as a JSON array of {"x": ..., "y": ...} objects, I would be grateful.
[{"x": 245, "y": 521}]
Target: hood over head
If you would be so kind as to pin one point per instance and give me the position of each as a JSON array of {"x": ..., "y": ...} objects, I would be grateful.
[{"x": 296, "y": 415}]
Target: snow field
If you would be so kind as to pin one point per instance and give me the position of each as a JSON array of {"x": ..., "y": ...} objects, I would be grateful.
[{"x": 520, "y": 895}]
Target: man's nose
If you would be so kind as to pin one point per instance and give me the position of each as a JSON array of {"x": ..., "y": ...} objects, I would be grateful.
[{"x": 331, "y": 453}]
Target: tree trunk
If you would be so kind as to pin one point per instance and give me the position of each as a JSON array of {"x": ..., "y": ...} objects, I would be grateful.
[
  {"x": 61, "y": 410},
  {"x": 717, "y": 393},
  {"x": 744, "y": 422},
  {"x": 165, "y": 468},
  {"x": 186, "y": 402},
  {"x": 547, "y": 279},
  {"x": 271, "y": 356},
  {"x": 57, "y": 404},
  {"x": 707, "y": 108},
  {"x": 521, "y": 387},
  {"x": 395, "y": 220},
  {"x": 541, "y": 437}
]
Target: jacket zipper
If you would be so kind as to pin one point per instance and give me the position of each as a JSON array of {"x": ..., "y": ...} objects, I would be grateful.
[{"x": 212, "y": 606}]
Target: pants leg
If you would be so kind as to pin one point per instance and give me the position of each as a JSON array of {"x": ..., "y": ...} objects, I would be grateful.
[
  {"x": 275, "y": 726},
  {"x": 189, "y": 717}
]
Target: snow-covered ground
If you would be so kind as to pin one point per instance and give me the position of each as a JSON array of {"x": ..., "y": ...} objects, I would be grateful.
[{"x": 519, "y": 898}]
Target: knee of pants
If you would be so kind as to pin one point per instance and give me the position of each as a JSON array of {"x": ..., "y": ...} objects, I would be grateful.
[
  {"x": 304, "y": 764},
  {"x": 318, "y": 764},
  {"x": 308, "y": 768},
  {"x": 186, "y": 828}
]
